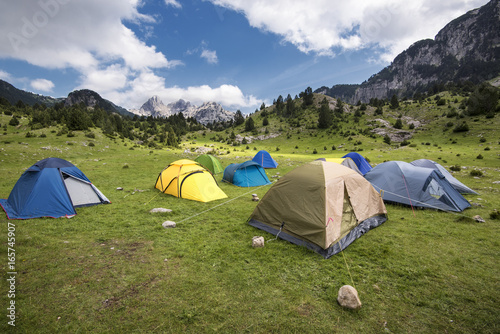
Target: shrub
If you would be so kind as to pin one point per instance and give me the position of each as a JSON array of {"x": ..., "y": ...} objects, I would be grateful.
[
  {"x": 487, "y": 148},
  {"x": 456, "y": 168},
  {"x": 125, "y": 166},
  {"x": 387, "y": 139},
  {"x": 482, "y": 140},
  {"x": 315, "y": 151},
  {"x": 333, "y": 148},
  {"x": 476, "y": 172},
  {"x": 90, "y": 135},
  {"x": 479, "y": 156},
  {"x": 452, "y": 113},
  {"x": 441, "y": 102},
  {"x": 30, "y": 134},
  {"x": 398, "y": 124},
  {"x": 404, "y": 143},
  {"x": 463, "y": 127},
  {"x": 43, "y": 135},
  {"x": 495, "y": 214},
  {"x": 91, "y": 144},
  {"x": 14, "y": 121}
]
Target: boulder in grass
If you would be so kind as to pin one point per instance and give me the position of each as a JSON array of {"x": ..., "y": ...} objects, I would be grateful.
[
  {"x": 168, "y": 224},
  {"x": 479, "y": 219},
  {"x": 160, "y": 210},
  {"x": 257, "y": 242},
  {"x": 348, "y": 298}
]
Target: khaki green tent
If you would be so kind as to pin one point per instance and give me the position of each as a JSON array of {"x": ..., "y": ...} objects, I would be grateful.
[
  {"x": 321, "y": 205},
  {"x": 210, "y": 162}
]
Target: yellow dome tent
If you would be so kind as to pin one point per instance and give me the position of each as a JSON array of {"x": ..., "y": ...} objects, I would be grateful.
[{"x": 190, "y": 180}]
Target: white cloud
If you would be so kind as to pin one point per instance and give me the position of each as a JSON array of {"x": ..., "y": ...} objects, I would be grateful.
[
  {"x": 327, "y": 27},
  {"x": 43, "y": 85},
  {"x": 75, "y": 33},
  {"x": 5, "y": 76},
  {"x": 173, "y": 3},
  {"x": 210, "y": 56}
]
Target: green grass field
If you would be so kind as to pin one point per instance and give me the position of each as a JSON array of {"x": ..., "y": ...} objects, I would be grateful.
[{"x": 115, "y": 269}]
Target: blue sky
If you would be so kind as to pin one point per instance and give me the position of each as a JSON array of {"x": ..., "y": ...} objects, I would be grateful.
[{"x": 239, "y": 53}]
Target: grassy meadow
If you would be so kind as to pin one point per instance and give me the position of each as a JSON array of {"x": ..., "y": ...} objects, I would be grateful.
[{"x": 115, "y": 269}]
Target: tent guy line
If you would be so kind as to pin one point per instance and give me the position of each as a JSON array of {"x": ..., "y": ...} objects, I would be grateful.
[{"x": 232, "y": 199}]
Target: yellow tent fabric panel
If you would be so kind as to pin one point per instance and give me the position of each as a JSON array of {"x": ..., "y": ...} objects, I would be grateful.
[{"x": 188, "y": 179}]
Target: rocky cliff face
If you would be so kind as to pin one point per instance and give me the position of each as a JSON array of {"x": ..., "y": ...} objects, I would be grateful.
[
  {"x": 467, "y": 48},
  {"x": 208, "y": 112}
]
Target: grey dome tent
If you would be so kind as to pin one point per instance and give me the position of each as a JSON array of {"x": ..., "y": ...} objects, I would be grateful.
[
  {"x": 459, "y": 186},
  {"x": 404, "y": 183}
]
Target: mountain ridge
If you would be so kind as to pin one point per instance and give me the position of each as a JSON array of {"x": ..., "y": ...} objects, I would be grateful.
[{"x": 465, "y": 49}]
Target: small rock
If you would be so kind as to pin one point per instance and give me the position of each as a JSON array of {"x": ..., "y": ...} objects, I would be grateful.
[
  {"x": 255, "y": 198},
  {"x": 496, "y": 182},
  {"x": 168, "y": 224},
  {"x": 348, "y": 298},
  {"x": 119, "y": 188},
  {"x": 479, "y": 219},
  {"x": 66, "y": 242},
  {"x": 160, "y": 210},
  {"x": 257, "y": 242}
]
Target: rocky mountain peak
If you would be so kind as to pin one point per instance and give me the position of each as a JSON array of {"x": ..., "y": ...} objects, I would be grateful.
[{"x": 208, "y": 112}]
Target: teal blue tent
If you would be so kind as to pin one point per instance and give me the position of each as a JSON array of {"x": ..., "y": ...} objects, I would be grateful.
[
  {"x": 264, "y": 159},
  {"x": 246, "y": 174}
]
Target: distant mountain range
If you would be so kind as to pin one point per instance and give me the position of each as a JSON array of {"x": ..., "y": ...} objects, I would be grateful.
[
  {"x": 208, "y": 112},
  {"x": 466, "y": 49}
]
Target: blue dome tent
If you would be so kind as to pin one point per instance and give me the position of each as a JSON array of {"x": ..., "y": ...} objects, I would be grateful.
[
  {"x": 264, "y": 159},
  {"x": 246, "y": 174},
  {"x": 52, "y": 187},
  {"x": 459, "y": 186},
  {"x": 363, "y": 165}
]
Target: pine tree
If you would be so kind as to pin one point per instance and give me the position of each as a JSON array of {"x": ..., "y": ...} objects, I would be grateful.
[
  {"x": 325, "y": 119},
  {"x": 249, "y": 124},
  {"x": 238, "y": 118}
]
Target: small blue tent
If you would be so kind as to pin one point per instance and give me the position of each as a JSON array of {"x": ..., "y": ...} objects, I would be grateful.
[
  {"x": 52, "y": 187},
  {"x": 401, "y": 182},
  {"x": 246, "y": 174},
  {"x": 459, "y": 186},
  {"x": 264, "y": 159},
  {"x": 363, "y": 165}
]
